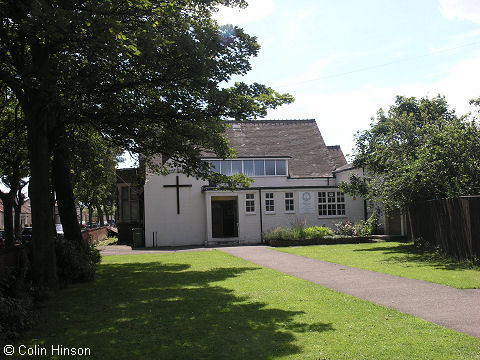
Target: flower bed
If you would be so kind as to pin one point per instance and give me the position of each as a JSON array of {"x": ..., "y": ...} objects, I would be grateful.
[
  {"x": 327, "y": 240},
  {"x": 298, "y": 234}
]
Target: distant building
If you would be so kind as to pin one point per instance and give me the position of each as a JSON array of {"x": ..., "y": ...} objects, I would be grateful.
[
  {"x": 296, "y": 177},
  {"x": 25, "y": 215},
  {"x": 129, "y": 202}
]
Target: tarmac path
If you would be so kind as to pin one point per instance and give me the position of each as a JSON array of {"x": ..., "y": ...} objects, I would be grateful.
[{"x": 457, "y": 309}]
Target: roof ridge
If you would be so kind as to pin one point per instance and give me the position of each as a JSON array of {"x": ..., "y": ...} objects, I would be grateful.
[{"x": 265, "y": 121}]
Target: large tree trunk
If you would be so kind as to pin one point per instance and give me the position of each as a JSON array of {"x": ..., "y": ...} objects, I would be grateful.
[
  {"x": 81, "y": 214},
  {"x": 90, "y": 214},
  {"x": 100, "y": 215},
  {"x": 64, "y": 190},
  {"x": 20, "y": 200},
  {"x": 107, "y": 212},
  {"x": 44, "y": 268},
  {"x": 7, "y": 200}
]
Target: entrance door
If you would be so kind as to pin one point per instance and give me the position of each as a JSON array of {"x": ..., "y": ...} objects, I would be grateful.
[{"x": 224, "y": 218}]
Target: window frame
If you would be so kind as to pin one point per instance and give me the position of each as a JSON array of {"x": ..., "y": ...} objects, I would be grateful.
[
  {"x": 289, "y": 203},
  {"x": 250, "y": 202},
  {"x": 269, "y": 203},
  {"x": 278, "y": 169},
  {"x": 130, "y": 204},
  {"x": 331, "y": 203}
]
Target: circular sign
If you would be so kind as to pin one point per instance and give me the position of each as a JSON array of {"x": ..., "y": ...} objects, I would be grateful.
[{"x": 306, "y": 196}]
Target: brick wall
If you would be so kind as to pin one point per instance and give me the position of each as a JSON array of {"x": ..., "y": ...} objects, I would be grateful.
[{"x": 95, "y": 235}]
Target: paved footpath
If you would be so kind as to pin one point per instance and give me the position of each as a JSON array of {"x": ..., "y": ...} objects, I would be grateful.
[{"x": 443, "y": 305}]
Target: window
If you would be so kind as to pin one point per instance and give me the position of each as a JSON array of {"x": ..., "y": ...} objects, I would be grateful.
[
  {"x": 281, "y": 167},
  {"x": 269, "y": 167},
  {"x": 331, "y": 207},
  {"x": 258, "y": 167},
  {"x": 248, "y": 167},
  {"x": 129, "y": 203},
  {"x": 331, "y": 203},
  {"x": 250, "y": 203},
  {"x": 215, "y": 165},
  {"x": 226, "y": 167},
  {"x": 236, "y": 166},
  {"x": 322, "y": 206},
  {"x": 269, "y": 202},
  {"x": 289, "y": 203}
]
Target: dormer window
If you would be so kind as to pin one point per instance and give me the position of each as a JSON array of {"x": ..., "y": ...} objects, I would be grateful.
[{"x": 250, "y": 167}]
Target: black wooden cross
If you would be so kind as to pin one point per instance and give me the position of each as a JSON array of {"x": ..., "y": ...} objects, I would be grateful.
[{"x": 178, "y": 186}]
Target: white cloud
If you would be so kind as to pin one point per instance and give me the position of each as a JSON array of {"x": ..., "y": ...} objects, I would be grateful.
[
  {"x": 461, "y": 9},
  {"x": 341, "y": 114},
  {"x": 255, "y": 11}
]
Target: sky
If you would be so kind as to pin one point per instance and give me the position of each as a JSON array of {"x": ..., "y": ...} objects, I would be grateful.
[{"x": 344, "y": 60}]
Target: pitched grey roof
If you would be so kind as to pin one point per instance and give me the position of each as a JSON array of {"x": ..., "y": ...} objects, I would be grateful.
[
  {"x": 337, "y": 156},
  {"x": 299, "y": 139},
  {"x": 345, "y": 167}
]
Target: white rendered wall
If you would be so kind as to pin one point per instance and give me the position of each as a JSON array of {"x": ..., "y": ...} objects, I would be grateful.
[
  {"x": 353, "y": 210},
  {"x": 248, "y": 224},
  {"x": 162, "y": 222},
  {"x": 193, "y": 226}
]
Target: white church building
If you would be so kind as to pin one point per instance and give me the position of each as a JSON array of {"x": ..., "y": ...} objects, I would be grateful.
[{"x": 295, "y": 178}]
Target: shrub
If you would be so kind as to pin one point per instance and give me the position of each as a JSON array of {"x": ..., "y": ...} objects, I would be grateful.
[
  {"x": 297, "y": 232},
  {"x": 346, "y": 228},
  {"x": 315, "y": 232},
  {"x": 362, "y": 228},
  {"x": 76, "y": 262},
  {"x": 15, "y": 316},
  {"x": 280, "y": 233},
  {"x": 371, "y": 226},
  {"x": 15, "y": 313},
  {"x": 298, "y": 228}
]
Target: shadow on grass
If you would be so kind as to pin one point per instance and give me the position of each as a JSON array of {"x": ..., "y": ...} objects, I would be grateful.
[
  {"x": 409, "y": 253},
  {"x": 157, "y": 311}
]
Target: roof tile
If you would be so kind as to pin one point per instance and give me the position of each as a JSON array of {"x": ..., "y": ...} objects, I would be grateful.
[{"x": 299, "y": 139}]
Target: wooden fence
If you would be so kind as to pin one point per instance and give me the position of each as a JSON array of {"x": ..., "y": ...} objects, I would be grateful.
[{"x": 452, "y": 224}]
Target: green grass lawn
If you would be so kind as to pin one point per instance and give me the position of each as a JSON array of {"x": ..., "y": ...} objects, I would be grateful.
[
  {"x": 107, "y": 242},
  {"x": 210, "y": 305},
  {"x": 396, "y": 258}
]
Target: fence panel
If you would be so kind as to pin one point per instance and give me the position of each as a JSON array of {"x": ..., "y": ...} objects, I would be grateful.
[{"x": 452, "y": 224}]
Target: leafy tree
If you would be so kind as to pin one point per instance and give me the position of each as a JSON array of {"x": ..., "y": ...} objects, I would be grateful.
[
  {"x": 145, "y": 74},
  {"x": 94, "y": 170},
  {"x": 17, "y": 207},
  {"x": 13, "y": 161},
  {"x": 419, "y": 151}
]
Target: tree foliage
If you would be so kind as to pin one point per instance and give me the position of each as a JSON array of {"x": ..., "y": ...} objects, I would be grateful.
[
  {"x": 93, "y": 167},
  {"x": 419, "y": 150},
  {"x": 13, "y": 159},
  {"x": 146, "y": 75}
]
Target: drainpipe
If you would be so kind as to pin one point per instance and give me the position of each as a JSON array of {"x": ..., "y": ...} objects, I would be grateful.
[
  {"x": 365, "y": 210},
  {"x": 260, "y": 211},
  {"x": 364, "y": 201}
]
